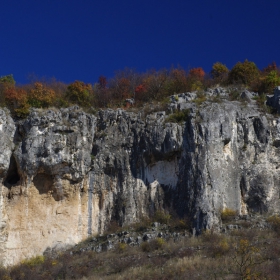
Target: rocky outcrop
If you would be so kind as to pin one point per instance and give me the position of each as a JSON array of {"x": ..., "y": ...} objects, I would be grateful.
[
  {"x": 273, "y": 100},
  {"x": 67, "y": 174}
]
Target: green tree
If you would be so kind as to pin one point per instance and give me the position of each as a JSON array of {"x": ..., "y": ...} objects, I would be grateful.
[
  {"x": 79, "y": 93},
  {"x": 244, "y": 73},
  {"x": 271, "y": 81},
  {"x": 7, "y": 80}
]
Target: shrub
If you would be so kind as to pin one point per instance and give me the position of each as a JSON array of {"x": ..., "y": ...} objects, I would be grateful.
[
  {"x": 17, "y": 101},
  {"x": 142, "y": 225},
  {"x": 178, "y": 116},
  {"x": 145, "y": 247},
  {"x": 7, "y": 80},
  {"x": 274, "y": 221},
  {"x": 162, "y": 217},
  {"x": 177, "y": 82},
  {"x": 243, "y": 73},
  {"x": 219, "y": 72},
  {"x": 270, "y": 81},
  {"x": 179, "y": 223},
  {"x": 222, "y": 248},
  {"x": 34, "y": 261},
  {"x": 234, "y": 94},
  {"x": 121, "y": 247},
  {"x": 197, "y": 73},
  {"x": 41, "y": 96},
  {"x": 246, "y": 258},
  {"x": 201, "y": 97},
  {"x": 79, "y": 93},
  {"x": 153, "y": 245},
  {"x": 228, "y": 214}
]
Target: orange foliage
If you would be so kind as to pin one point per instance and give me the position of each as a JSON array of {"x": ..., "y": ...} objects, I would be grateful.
[
  {"x": 197, "y": 73},
  {"x": 17, "y": 101},
  {"x": 41, "y": 96}
]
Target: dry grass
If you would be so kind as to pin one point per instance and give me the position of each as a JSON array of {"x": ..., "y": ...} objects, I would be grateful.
[{"x": 209, "y": 256}]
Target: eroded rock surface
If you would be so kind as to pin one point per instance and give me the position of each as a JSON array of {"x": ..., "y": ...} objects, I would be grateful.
[{"x": 66, "y": 174}]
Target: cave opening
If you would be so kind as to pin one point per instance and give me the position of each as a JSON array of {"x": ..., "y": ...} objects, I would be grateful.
[{"x": 13, "y": 176}]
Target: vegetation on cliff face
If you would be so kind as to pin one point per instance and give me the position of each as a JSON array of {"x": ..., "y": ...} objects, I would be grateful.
[{"x": 128, "y": 84}]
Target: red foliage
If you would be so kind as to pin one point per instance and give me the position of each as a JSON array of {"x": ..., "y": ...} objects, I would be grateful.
[
  {"x": 140, "y": 88},
  {"x": 102, "y": 82},
  {"x": 15, "y": 95},
  {"x": 270, "y": 67},
  {"x": 121, "y": 89},
  {"x": 197, "y": 73}
]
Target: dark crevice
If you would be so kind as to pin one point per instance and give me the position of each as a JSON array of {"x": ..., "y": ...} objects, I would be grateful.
[{"x": 13, "y": 177}]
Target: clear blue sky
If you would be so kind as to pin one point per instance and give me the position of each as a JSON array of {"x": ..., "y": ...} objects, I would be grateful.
[{"x": 81, "y": 40}]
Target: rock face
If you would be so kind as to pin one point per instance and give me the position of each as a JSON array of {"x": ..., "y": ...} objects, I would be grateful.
[
  {"x": 273, "y": 100},
  {"x": 66, "y": 174}
]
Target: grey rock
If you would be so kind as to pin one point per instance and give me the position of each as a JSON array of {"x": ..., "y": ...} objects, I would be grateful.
[
  {"x": 130, "y": 166},
  {"x": 274, "y": 100},
  {"x": 248, "y": 96}
]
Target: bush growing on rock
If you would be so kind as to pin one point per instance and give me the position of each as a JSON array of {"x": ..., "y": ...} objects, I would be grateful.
[
  {"x": 79, "y": 93},
  {"x": 219, "y": 72},
  {"x": 228, "y": 214},
  {"x": 274, "y": 221},
  {"x": 178, "y": 116},
  {"x": 162, "y": 217},
  {"x": 17, "y": 101},
  {"x": 40, "y": 96},
  {"x": 243, "y": 73}
]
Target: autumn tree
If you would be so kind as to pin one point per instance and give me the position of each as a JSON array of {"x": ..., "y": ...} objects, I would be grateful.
[
  {"x": 80, "y": 93},
  {"x": 152, "y": 86},
  {"x": 17, "y": 101},
  {"x": 195, "y": 78},
  {"x": 270, "y": 67},
  {"x": 243, "y": 73},
  {"x": 102, "y": 82},
  {"x": 123, "y": 85},
  {"x": 101, "y": 91},
  {"x": 219, "y": 72},
  {"x": 177, "y": 81},
  {"x": 197, "y": 73},
  {"x": 40, "y": 96}
]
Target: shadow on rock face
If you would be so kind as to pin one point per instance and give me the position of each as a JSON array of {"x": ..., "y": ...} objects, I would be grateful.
[
  {"x": 13, "y": 176},
  {"x": 44, "y": 183}
]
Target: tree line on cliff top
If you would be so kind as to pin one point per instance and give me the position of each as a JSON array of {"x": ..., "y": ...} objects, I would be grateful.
[{"x": 127, "y": 84}]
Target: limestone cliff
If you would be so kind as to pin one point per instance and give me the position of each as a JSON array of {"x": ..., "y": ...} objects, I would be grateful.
[{"x": 66, "y": 174}]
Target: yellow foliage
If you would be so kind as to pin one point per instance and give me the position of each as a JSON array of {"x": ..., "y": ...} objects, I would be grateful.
[
  {"x": 34, "y": 261},
  {"x": 160, "y": 242},
  {"x": 122, "y": 247},
  {"x": 228, "y": 214},
  {"x": 40, "y": 96}
]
